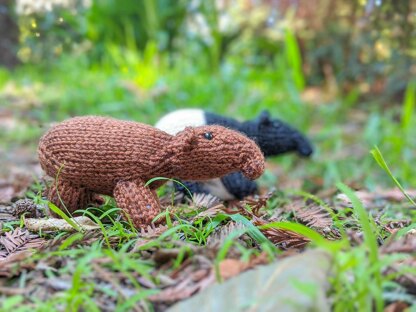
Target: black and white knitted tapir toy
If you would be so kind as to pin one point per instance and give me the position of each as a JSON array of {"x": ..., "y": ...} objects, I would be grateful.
[{"x": 274, "y": 137}]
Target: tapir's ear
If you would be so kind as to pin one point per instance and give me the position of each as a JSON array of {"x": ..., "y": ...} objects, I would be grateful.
[
  {"x": 264, "y": 118},
  {"x": 187, "y": 138}
]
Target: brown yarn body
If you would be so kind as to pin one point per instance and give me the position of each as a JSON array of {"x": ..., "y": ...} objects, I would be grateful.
[{"x": 88, "y": 155}]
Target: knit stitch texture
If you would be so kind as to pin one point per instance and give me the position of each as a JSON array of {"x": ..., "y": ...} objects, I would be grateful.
[
  {"x": 274, "y": 137},
  {"x": 97, "y": 155}
]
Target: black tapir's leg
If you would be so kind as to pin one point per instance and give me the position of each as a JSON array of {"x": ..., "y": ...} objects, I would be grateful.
[
  {"x": 235, "y": 185},
  {"x": 238, "y": 185},
  {"x": 190, "y": 187}
]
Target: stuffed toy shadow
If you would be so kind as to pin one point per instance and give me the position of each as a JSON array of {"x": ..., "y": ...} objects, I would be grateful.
[{"x": 273, "y": 136}]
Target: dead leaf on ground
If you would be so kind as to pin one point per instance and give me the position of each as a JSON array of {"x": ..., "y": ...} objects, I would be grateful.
[
  {"x": 17, "y": 246},
  {"x": 192, "y": 276},
  {"x": 276, "y": 287},
  {"x": 372, "y": 199},
  {"x": 20, "y": 239},
  {"x": 195, "y": 282},
  {"x": 257, "y": 202},
  {"x": 312, "y": 215},
  {"x": 210, "y": 212},
  {"x": 153, "y": 231},
  {"x": 219, "y": 235},
  {"x": 404, "y": 269},
  {"x": 201, "y": 200},
  {"x": 231, "y": 267},
  {"x": 6, "y": 214},
  {"x": 162, "y": 256},
  {"x": 54, "y": 224},
  {"x": 282, "y": 238},
  {"x": 395, "y": 225},
  {"x": 13, "y": 263},
  {"x": 250, "y": 206},
  {"x": 398, "y": 306},
  {"x": 405, "y": 244}
]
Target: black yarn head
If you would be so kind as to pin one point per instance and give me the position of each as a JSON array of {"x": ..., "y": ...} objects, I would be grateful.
[{"x": 276, "y": 137}]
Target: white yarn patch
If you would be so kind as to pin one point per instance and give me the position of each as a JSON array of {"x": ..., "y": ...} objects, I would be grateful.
[
  {"x": 178, "y": 120},
  {"x": 217, "y": 188}
]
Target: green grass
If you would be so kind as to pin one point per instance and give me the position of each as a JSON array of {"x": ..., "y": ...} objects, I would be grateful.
[{"x": 144, "y": 86}]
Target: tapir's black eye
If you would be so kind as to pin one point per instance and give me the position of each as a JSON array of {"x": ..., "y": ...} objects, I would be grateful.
[{"x": 208, "y": 135}]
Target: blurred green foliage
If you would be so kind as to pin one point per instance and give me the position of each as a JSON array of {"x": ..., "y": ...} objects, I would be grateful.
[
  {"x": 134, "y": 24},
  {"x": 368, "y": 45}
]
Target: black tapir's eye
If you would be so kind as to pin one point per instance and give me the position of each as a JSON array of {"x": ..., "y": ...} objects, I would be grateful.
[{"x": 208, "y": 135}]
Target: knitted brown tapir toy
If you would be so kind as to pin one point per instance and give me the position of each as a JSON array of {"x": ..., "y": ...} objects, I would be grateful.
[{"x": 97, "y": 155}]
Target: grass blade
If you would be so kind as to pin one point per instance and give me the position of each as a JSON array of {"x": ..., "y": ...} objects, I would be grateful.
[
  {"x": 408, "y": 106},
  {"x": 370, "y": 240},
  {"x": 169, "y": 179},
  {"x": 294, "y": 59},
  {"x": 382, "y": 163},
  {"x": 252, "y": 230},
  {"x": 60, "y": 213}
]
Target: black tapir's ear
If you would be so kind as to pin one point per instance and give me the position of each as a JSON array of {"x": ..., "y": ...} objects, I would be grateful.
[{"x": 264, "y": 118}]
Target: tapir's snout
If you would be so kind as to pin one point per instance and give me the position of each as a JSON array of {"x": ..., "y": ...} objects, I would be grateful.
[
  {"x": 253, "y": 169},
  {"x": 304, "y": 146},
  {"x": 253, "y": 163}
]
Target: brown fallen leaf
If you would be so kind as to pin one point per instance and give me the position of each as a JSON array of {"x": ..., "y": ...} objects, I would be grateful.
[
  {"x": 312, "y": 215},
  {"x": 232, "y": 267},
  {"x": 395, "y": 225},
  {"x": 109, "y": 277},
  {"x": 405, "y": 279},
  {"x": 54, "y": 224},
  {"x": 395, "y": 194},
  {"x": 257, "y": 202},
  {"x": 18, "y": 240},
  {"x": 153, "y": 231},
  {"x": 162, "y": 256},
  {"x": 219, "y": 235},
  {"x": 13, "y": 264},
  {"x": 210, "y": 212},
  {"x": 370, "y": 199},
  {"x": 398, "y": 306},
  {"x": 250, "y": 206},
  {"x": 195, "y": 282},
  {"x": 405, "y": 244},
  {"x": 283, "y": 239},
  {"x": 201, "y": 200}
]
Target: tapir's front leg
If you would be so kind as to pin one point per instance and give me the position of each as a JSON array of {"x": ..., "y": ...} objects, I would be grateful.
[
  {"x": 68, "y": 197},
  {"x": 139, "y": 202}
]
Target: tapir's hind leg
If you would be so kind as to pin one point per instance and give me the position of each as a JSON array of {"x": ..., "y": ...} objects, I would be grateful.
[
  {"x": 138, "y": 202},
  {"x": 68, "y": 197}
]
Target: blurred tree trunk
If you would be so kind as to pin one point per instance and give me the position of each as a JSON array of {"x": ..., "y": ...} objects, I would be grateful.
[{"x": 9, "y": 35}]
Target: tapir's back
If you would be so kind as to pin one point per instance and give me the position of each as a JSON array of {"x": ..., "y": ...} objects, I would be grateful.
[{"x": 99, "y": 151}]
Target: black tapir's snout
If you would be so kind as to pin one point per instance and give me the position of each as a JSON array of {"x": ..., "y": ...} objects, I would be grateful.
[
  {"x": 276, "y": 137},
  {"x": 304, "y": 146}
]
